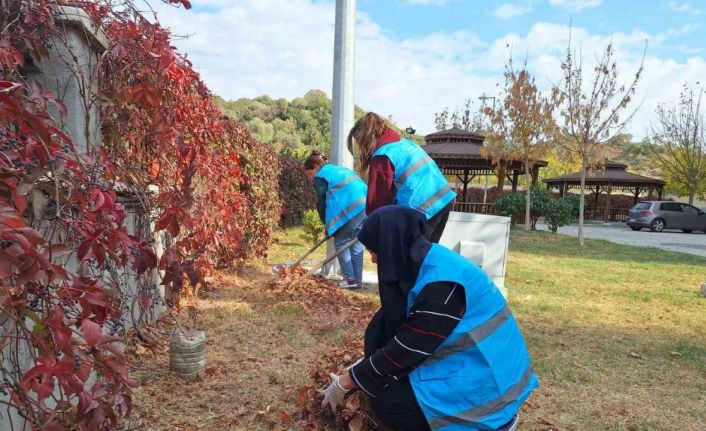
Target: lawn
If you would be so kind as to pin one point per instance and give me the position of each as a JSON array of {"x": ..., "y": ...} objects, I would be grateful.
[{"x": 616, "y": 334}]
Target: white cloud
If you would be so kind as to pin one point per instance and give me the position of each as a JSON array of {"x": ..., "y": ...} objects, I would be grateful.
[
  {"x": 286, "y": 48},
  {"x": 510, "y": 10},
  {"x": 576, "y": 5},
  {"x": 684, "y": 7},
  {"x": 426, "y": 2}
]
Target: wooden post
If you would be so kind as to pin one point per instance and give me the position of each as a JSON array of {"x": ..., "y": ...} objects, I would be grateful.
[
  {"x": 606, "y": 213},
  {"x": 515, "y": 177},
  {"x": 465, "y": 184},
  {"x": 637, "y": 194}
]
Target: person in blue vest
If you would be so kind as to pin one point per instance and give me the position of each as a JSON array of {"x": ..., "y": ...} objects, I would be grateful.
[
  {"x": 401, "y": 173},
  {"x": 444, "y": 351},
  {"x": 340, "y": 202}
]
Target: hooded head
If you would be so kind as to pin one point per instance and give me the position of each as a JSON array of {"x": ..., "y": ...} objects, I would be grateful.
[{"x": 396, "y": 235}]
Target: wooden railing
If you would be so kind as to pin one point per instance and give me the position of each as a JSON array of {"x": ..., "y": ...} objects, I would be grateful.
[
  {"x": 616, "y": 214},
  {"x": 474, "y": 207}
]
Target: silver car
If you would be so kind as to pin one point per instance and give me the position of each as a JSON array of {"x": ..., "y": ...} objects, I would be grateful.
[{"x": 661, "y": 215}]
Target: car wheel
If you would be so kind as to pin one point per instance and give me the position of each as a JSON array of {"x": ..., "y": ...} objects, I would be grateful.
[
  {"x": 635, "y": 228},
  {"x": 687, "y": 230},
  {"x": 657, "y": 225}
]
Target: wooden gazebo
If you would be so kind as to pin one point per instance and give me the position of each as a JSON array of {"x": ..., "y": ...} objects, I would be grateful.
[
  {"x": 457, "y": 152},
  {"x": 608, "y": 177}
]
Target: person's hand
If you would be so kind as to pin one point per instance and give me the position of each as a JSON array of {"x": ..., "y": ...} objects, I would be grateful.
[{"x": 334, "y": 393}]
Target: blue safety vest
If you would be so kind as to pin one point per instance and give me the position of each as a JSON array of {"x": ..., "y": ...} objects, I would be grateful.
[
  {"x": 418, "y": 180},
  {"x": 478, "y": 378},
  {"x": 345, "y": 196}
]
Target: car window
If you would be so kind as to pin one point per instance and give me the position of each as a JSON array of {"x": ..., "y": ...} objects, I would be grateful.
[
  {"x": 642, "y": 206},
  {"x": 689, "y": 210},
  {"x": 668, "y": 206}
]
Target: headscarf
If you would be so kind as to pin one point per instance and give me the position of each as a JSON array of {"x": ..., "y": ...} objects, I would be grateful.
[{"x": 396, "y": 235}]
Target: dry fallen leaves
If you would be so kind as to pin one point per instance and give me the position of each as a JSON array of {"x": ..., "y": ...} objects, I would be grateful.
[{"x": 321, "y": 297}]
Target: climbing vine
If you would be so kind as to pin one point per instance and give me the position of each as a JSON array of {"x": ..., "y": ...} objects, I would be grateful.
[{"x": 174, "y": 185}]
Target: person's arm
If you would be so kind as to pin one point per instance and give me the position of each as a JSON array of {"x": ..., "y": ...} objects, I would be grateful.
[
  {"x": 381, "y": 189},
  {"x": 320, "y": 187},
  {"x": 435, "y": 314}
]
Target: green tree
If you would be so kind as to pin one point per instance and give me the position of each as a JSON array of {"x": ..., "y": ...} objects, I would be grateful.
[
  {"x": 681, "y": 140},
  {"x": 524, "y": 124}
]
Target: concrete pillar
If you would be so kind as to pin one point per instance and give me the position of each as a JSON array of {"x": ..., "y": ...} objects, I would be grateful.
[
  {"x": 343, "y": 82},
  {"x": 70, "y": 73},
  {"x": 342, "y": 96}
]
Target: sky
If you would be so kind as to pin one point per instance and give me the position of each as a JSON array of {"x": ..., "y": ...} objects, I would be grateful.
[{"x": 413, "y": 57}]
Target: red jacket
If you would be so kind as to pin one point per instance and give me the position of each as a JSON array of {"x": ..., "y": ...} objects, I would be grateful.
[{"x": 381, "y": 175}]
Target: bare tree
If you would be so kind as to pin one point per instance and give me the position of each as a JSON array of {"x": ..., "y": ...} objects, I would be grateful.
[
  {"x": 466, "y": 118},
  {"x": 523, "y": 124},
  {"x": 592, "y": 111},
  {"x": 681, "y": 143},
  {"x": 441, "y": 119}
]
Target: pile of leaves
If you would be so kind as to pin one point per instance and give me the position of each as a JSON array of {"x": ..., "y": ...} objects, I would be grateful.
[{"x": 319, "y": 295}]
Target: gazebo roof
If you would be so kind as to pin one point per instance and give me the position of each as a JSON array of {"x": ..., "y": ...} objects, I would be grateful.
[
  {"x": 616, "y": 177},
  {"x": 460, "y": 144},
  {"x": 455, "y": 133}
]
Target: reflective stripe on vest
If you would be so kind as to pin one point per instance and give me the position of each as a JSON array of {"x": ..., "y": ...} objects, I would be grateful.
[
  {"x": 474, "y": 416},
  {"x": 478, "y": 378},
  {"x": 418, "y": 181},
  {"x": 340, "y": 185},
  {"x": 345, "y": 196},
  {"x": 470, "y": 338},
  {"x": 344, "y": 213},
  {"x": 436, "y": 197}
]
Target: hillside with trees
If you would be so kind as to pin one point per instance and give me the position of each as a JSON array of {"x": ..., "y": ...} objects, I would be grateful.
[{"x": 293, "y": 127}]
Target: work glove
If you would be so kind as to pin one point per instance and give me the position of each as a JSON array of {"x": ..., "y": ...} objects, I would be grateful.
[{"x": 333, "y": 394}]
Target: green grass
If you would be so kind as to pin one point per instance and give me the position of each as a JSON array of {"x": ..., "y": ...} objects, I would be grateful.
[{"x": 616, "y": 333}]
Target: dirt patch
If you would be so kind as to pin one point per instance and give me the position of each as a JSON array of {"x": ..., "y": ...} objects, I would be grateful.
[{"x": 270, "y": 346}]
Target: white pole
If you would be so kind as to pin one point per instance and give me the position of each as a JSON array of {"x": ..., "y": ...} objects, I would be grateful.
[{"x": 342, "y": 95}]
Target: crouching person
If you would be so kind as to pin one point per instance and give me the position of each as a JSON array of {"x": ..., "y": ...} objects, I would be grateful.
[{"x": 444, "y": 351}]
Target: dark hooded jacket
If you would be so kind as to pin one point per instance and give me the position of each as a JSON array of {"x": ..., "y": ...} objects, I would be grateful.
[{"x": 392, "y": 339}]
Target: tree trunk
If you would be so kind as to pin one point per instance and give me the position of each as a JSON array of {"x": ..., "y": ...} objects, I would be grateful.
[
  {"x": 584, "y": 166},
  {"x": 501, "y": 177},
  {"x": 528, "y": 180},
  {"x": 692, "y": 194}
]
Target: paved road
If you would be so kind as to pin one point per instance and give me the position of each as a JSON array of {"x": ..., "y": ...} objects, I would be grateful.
[{"x": 691, "y": 243}]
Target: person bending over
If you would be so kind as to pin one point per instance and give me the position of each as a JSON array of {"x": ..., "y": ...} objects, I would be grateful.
[
  {"x": 401, "y": 173},
  {"x": 340, "y": 202}
]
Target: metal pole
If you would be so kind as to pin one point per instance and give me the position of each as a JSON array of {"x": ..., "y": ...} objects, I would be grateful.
[{"x": 342, "y": 95}]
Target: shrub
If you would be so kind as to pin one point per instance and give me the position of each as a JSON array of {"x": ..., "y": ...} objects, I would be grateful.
[
  {"x": 313, "y": 228},
  {"x": 558, "y": 213},
  {"x": 574, "y": 201},
  {"x": 296, "y": 191},
  {"x": 513, "y": 204}
]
